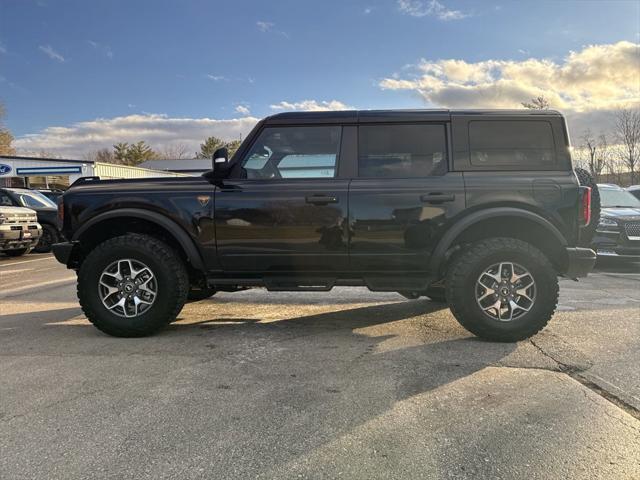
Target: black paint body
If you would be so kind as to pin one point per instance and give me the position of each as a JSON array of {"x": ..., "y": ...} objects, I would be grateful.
[{"x": 386, "y": 233}]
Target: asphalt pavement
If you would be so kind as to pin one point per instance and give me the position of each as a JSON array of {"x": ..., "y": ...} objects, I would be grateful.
[{"x": 346, "y": 384}]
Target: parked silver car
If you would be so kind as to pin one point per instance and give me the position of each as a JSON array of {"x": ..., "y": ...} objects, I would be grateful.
[{"x": 19, "y": 230}]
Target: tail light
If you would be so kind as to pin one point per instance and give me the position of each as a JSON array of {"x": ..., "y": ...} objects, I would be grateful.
[{"x": 586, "y": 206}]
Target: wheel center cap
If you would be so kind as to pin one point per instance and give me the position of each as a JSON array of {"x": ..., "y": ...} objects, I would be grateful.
[
  {"x": 129, "y": 287},
  {"x": 505, "y": 291}
]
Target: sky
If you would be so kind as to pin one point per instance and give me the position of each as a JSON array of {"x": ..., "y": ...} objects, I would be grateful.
[{"x": 76, "y": 76}]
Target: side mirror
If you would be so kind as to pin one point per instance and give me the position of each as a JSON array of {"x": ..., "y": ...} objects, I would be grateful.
[{"x": 221, "y": 162}]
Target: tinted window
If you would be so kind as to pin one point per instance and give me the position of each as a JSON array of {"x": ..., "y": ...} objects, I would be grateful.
[
  {"x": 519, "y": 143},
  {"x": 401, "y": 151},
  {"x": 294, "y": 152}
]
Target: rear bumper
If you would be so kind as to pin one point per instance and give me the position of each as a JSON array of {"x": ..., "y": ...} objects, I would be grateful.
[
  {"x": 64, "y": 252},
  {"x": 581, "y": 262}
]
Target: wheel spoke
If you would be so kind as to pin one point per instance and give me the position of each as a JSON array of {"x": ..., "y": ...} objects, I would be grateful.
[{"x": 488, "y": 292}]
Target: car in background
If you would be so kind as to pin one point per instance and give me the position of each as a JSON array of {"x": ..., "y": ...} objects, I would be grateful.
[
  {"x": 19, "y": 230},
  {"x": 618, "y": 231},
  {"x": 51, "y": 193},
  {"x": 46, "y": 209},
  {"x": 634, "y": 190}
]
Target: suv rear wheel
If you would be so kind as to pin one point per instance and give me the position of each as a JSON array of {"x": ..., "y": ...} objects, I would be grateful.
[
  {"x": 502, "y": 289},
  {"x": 132, "y": 286}
]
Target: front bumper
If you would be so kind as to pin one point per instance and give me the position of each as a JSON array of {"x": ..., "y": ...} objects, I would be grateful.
[
  {"x": 580, "y": 262},
  {"x": 64, "y": 252},
  {"x": 615, "y": 244},
  {"x": 14, "y": 236}
]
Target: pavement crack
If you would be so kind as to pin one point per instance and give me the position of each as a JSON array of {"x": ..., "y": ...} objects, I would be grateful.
[{"x": 575, "y": 373}]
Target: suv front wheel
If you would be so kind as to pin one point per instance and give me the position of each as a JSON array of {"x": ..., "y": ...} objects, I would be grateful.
[
  {"x": 502, "y": 289},
  {"x": 132, "y": 285}
]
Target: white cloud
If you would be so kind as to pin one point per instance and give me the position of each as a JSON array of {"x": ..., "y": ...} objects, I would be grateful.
[
  {"x": 51, "y": 53},
  {"x": 430, "y": 8},
  {"x": 242, "y": 109},
  {"x": 104, "y": 49},
  {"x": 265, "y": 26},
  {"x": 216, "y": 78},
  {"x": 3, "y": 49},
  {"x": 269, "y": 27},
  {"x": 311, "y": 105},
  {"x": 598, "y": 78},
  {"x": 158, "y": 130}
]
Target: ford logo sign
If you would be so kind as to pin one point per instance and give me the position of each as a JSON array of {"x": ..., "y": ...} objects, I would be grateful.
[{"x": 5, "y": 169}]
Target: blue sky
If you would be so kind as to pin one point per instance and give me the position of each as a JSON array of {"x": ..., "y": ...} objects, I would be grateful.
[{"x": 63, "y": 63}]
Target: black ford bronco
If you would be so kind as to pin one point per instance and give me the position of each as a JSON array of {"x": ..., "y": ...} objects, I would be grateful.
[{"x": 480, "y": 209}]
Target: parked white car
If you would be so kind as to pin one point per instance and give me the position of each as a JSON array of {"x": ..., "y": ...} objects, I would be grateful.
[{"x": 19, "y": 230}]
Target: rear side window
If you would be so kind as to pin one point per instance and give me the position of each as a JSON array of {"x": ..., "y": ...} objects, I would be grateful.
[
  {"x": 515, "y": 143},
  {"x": 401, "y": 151}
]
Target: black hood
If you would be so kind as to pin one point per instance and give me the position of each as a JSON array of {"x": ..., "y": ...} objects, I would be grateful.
[{"x": 621, "y": 213}]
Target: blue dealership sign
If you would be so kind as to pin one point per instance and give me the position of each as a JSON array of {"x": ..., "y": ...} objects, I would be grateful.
[{"x": 5, "y": 169}]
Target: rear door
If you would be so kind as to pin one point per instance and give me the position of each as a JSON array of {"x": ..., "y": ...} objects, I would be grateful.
[
  {"x": 402, "y": 197},
  {"x": 288, "y": 209}
]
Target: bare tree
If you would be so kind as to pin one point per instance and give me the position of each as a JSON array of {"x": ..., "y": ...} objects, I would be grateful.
[
  {"x": 176, "y": 151},
  {"x": 596, "y": 153},
  {"x": 6, "y": 138},
  {"x": 627, "y": 134},
  {"x": 538, "y": 103},
  {"x": 103, "y": 155}
]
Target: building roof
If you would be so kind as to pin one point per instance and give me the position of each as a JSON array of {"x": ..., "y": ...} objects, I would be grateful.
[
  {"x": 179, "y": 165},
  {"x": 44, "y": 159}
]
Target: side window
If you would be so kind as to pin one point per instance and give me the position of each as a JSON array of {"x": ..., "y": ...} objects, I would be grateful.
[
  {"x": 294, "y": 152},
  {"x": 401, "y": 151},
  {"x": 516, "y": 143},
  {"x": 5, "y": 200}
]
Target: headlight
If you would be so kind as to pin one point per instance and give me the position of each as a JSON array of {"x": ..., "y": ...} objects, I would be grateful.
[{"x": 607, "y": 225}]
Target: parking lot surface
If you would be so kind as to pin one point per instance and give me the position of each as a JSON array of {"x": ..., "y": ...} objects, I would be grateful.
[{"x": 346, "y": 384}]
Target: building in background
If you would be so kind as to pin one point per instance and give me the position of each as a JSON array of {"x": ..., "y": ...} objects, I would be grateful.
[{"x": 58, "y": 173}]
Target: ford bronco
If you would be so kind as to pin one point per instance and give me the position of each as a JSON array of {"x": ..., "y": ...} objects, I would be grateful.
[{"x": 481, "y": 209}]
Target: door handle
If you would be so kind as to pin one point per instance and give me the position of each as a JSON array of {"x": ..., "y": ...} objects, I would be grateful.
[
  {"x": 436, "y": 198},
  {"x": 321, "y": 199}
]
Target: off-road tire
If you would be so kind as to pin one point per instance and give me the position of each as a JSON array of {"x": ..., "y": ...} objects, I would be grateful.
[
  {"x": 586, "y": 180},
  {"x": 168, "y": 268},
  {"x": 197, "y": 293},
  {"x": 17, "y": 252},
  {"x": 49, "y": 237},
  {"x": 466, "y": 269}
]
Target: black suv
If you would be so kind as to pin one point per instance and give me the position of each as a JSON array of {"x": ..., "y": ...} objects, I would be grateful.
[
  {"x": 44, "y": 207},
  {"x": 480, "y": 209}
]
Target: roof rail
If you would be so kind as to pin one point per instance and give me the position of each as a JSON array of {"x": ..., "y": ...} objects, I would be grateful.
[{"x": 82, "y": 180}]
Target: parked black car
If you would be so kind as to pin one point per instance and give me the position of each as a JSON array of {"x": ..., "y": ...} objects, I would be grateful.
[
  {"x": 46, "y": 209},
  {"x": 481, "y": 208},
  {"x": 51, "y": 194},
  {"x": 618, "y": 231}
]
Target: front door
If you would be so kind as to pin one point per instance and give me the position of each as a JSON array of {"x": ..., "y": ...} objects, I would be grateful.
[
  {"x": 402, "y": 198},
  {"x": 287, "y": 211}
]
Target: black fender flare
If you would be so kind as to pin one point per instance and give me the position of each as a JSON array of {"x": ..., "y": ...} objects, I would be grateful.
[
  {"x": 179, "y": 233},
  {"x": 438, "y": 255}
]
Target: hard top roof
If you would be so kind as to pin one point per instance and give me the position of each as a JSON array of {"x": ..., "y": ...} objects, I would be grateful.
[{"x": 354, "y": 116}]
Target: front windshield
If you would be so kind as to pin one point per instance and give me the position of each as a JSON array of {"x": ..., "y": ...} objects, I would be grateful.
[
  {"x": 617, "y": 198},
  {"x": 34, "y": 200}
]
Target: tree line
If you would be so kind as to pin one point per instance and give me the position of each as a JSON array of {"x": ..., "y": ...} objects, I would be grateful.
[
  {"x": 124, "y": 153},
  {"x": 612, "y": 156}
]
